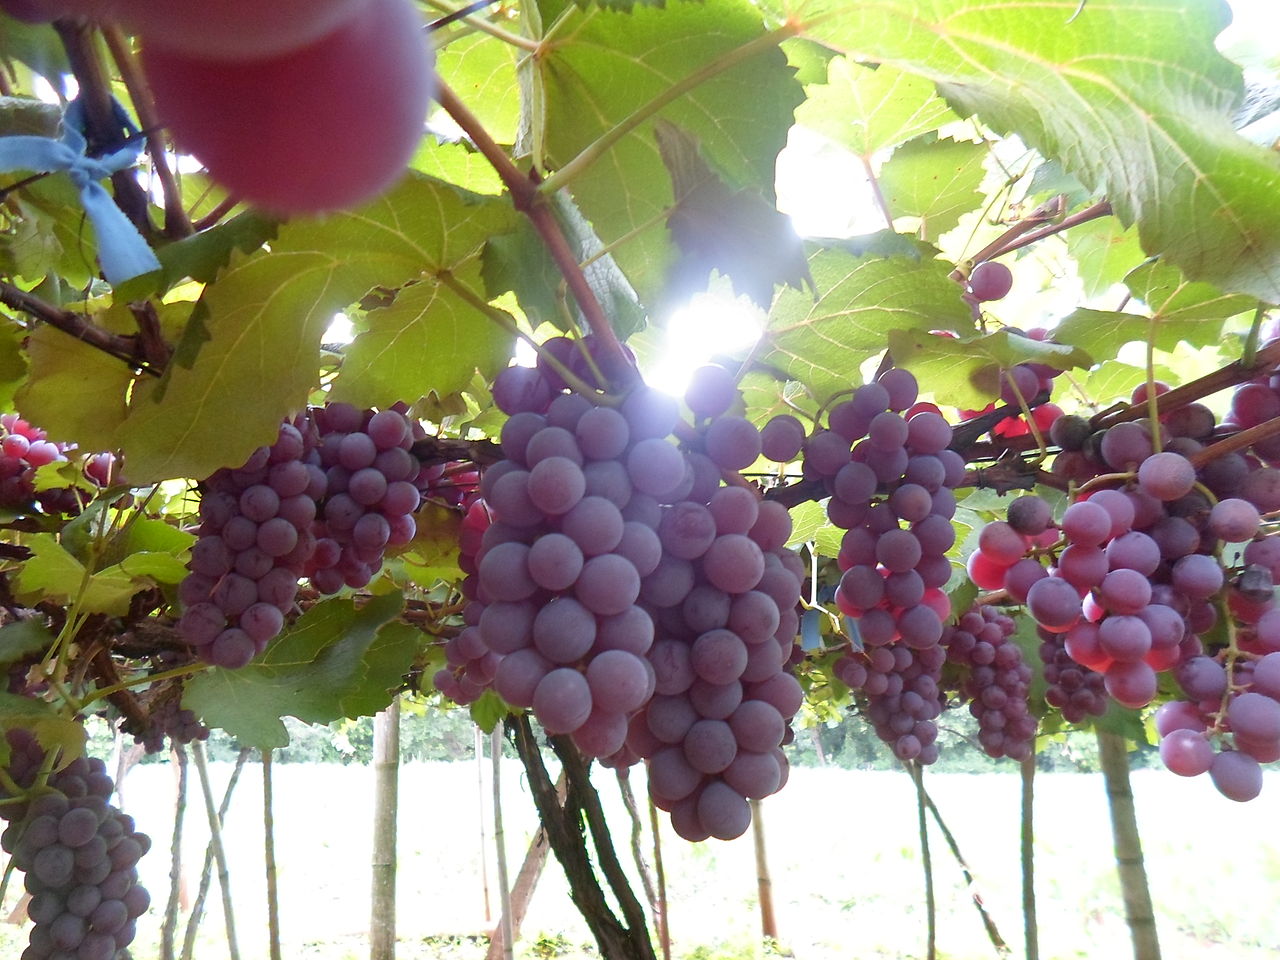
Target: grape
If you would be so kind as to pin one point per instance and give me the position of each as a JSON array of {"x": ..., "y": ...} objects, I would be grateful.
[
  {"x": 562, "y": 701},
  {"x": 64, "y": 851},
  {"x": 1254, "y": 715},
  {"x": 1166, "y": 476},
  {"x": 1186, "y": 752},
  {"x": 1234, "y": 520},
  {"x": 990, "y": 280},
  {"x": 781, "y": 438},
  {"x": 1237, "y": 776},
  {"x": 265, "y": 149},
  {"x": 1054, "y": 603}
]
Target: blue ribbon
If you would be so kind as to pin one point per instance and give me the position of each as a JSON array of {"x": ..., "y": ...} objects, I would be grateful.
[{"x": 122, "y": 251}]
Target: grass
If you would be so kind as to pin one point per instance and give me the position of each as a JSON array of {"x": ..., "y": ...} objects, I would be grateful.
[{"x": 842, "y": 849}]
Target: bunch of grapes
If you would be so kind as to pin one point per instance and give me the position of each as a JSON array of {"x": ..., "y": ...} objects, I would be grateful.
[
  {"x": 23, "y": 448},
  {"x": 994, "y": 680},
  {"x": 79, "y": 855},
  {"x": 369, "y": 493},
  {"x": 166, "y": 718},
  {"x": 1142, "y": 572},
  {"x": 255, "y": 538},
  {"x": 621, "y": 578},
  {"x": 470, "y": 665},
  {"x": 456, "y": 483},
  {"x": 904, "y": 697},
  {"x": 1074, "y": 690}
]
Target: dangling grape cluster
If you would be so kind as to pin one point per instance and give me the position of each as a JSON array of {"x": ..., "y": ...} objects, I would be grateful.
[
  {"x": 1143, "y": 568},
  {"x": 166, "y": 719},
  {"x": 1072, "y": 689},
  {"x": 369, "y": 497},
  {"x": 616, "y": 576},
  {"x": 994, "y": 681},
  {"x": 904, "y": 698},
  {"x": 324, "y": 501},
  {"x": 79, "y": 855},
  {"x": 255, "y": 539}
]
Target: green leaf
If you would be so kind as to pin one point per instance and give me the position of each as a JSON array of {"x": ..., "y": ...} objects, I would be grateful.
[
  {"x": 432, "y": 556},
  {"x": 487, "y": 710},
  {"x": 22, "y": 639},
  {"x": 27, "y": 116},
  {"x": 767, "y": 396},
  {"x": 456, "y": 163},
  {"x": 480, "y": 68},
  {"x": 604, "y": 66},
  {"x": 518, "y": 262},
  {"x": 429, "y": 338},
  {"x": 51, "y": 573},
  {"x": 1132, "y": 99},
  {"x": 202, "y": 255},
  {"x": 936, "y": 181},
  {"x": 806, "y": 520},
  {"x": 1115, "y": 380},
  {"x": 75, "y": 391},
  {"x": 335, "y": 661},
  {"x": 1180, "y": 310},
  {"x": 735, "y": 232},
  {"x": 822, "y": 343},
  {"x": 1105, "y": 251},
  {"x": 867, "y": 109},
  {"x": 252, "y": 353},
  {"x": 13, "y": 364}
]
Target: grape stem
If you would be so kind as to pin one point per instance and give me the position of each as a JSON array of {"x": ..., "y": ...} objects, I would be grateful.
[
  {"x": 1239, "y": 441},
  {"x": 527, "y": 199},
  {"x": 176, "y": 222},
  {"x": 1236, "y": 372},
  {"x": 123, "y": 348}
]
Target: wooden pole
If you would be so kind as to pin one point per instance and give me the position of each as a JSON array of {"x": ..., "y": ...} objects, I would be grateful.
[
  {"x": 1113, "y": 755},
  {"x": 764, "y": 881},
  {"x": 1030, "y": 927},
  {"x": 215, "y": 841},
  {"x": 269, "y": 854},
  {"x": 500, "y": 844},
  {"x": 386, "y": 768},
  {"x": 484, "y": 838}
]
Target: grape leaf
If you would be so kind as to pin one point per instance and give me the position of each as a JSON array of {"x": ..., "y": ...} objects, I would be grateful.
[
  {"x": 736, "y": 232},
  {"x": 335, "y": 661},
  {"x": 1105, "y": 251},
  {"x": 936, "y": 181},
  {"x": 479, "y": 67},
  {"x": 51, "y": 573},
  {"x": 967, "y": 372},
  {"x": 75, "y": 391},
  {"x": 253, "y": 346},
  {"x": 1180, "y": 310},
  {"x": 822, "y": 343},
  {"x": 603, "y": 66},
  {"x": 202, "y": 255},
  {"x": 1133, "y": 99},
  {"x": 13, "y": 364},
  {"x": 867, "y": 110},
  {"x": 1115, "y": 379},
  {"x": 429, "y": 338},
  {"x": 22, "y": 639},
  {"x": 518, "y": 262}
]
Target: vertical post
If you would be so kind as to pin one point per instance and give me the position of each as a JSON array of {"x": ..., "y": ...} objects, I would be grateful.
[
  {"x": 664, "y": 925},
  {"x": 484, "y": 841},
  {"x": 916, "y": 771},
  {"x": 386, "y": 768},
  {"x": 269, "y": 851},
  {"x": 764, "y": 881},
  {"x": 1030, "y": 927},
  {"x": 169, "y": 926},
  {"x": 1113, "y": 754},
  {"x": 219, "y": 852},
  {"x": 499, "y": 840}
]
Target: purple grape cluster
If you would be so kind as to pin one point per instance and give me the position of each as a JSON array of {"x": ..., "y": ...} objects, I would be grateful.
[
  {"x": 994, "y": 681},
  {"x": 255, "y": 538},
  {"x": 369, "y": 493},
  {"x": 166, "y": 718},
  {"x": 621, "y": 577},
  {"x": 324, "y": 501},
  {"x": 1074, "y": 690},
  {"x": 903, "y": 694},
  {"x": 79, "y": 855}
]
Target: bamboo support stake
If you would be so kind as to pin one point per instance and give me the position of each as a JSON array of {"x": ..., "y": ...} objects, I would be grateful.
[
  {"x": 664, "y": 926},
  {"x": 916, "y": 772},
  {"x": 1113, "y": 755},
  {"x": 386, "y": 768},
  {"x": 206, "y": 872},
  {"x": 169, "y": 927},
  {"x": 484, "y": 832},
  {"x": 1030, "y": 928},
  {"x": 764, "y": 880},
  {"x": 215, "y": 841},
  {"x": 269, "y": 852},
  {"x": 500, "y": 844}
]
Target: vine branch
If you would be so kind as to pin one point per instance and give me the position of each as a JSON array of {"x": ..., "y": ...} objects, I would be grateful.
[{"x": 526, "y": 199}]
